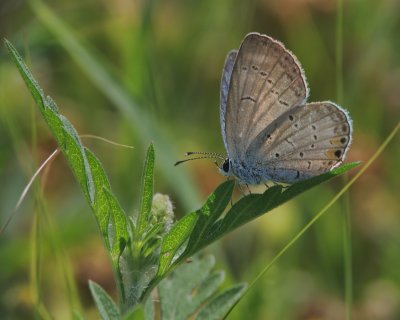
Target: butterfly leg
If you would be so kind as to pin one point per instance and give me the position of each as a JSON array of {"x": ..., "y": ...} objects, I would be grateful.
[
  {"x": 232, "y": 193},
  {"x": 248, "y": 189},
  {"x": 241, "y": 190},
  {"x": 284, "y": 186}
]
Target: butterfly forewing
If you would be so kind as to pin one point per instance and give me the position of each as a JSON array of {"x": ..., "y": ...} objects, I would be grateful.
[
  {"x": 266, "y": 81},
  {"x": 303, "y": 142}
]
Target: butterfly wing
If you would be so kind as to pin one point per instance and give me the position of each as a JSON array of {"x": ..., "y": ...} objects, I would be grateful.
[
  {"x": 225, "y": 80},
  {"x": 266, "y": 80},
  {"x": 303, "y": 142}
]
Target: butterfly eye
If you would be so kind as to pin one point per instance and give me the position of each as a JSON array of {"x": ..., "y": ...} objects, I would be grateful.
[{"x": 225, "y": 166}]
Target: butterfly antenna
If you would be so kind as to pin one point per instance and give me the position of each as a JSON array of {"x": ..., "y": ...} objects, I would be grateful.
[
  {"x": 211, "y": 154},
  {"x": 205, "y": 156}
]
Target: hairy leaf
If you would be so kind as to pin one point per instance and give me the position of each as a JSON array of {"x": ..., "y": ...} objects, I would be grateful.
[
  {"x": 106, "y": 306},
  {"x": 192, "y": 287},
  {"x": 147, "y": 192}
]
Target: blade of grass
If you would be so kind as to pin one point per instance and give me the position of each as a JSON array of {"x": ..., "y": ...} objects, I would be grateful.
[
  {"x": 45, "y": 232},
  {"x": 347, "y": 242},
  {"x": 140, "y": 121},
  {"x": 35, "y": 275},
  {"x": 323, "y": 210},
  {"x": 339, "y": 51},
  {"x": 347, "y": 253}
]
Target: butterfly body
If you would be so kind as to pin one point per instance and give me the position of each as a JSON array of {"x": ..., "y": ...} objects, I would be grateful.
[{"x": 247, "y": 174}]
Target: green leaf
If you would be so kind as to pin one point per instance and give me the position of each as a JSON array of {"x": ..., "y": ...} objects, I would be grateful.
[
  {"x": 136, "y": 313},
  {"x": 100, "y": 203},
  {"x": 174, "y": 239},
  {"x": 85, "y": 166},
  {"x": 147, "y": 192},
  {"x": 32, "y": 84},
  {"x": 61, "y": 128},
  {"x": 73, "y": 150},
  {"x": 105, "y": 305},
  {"x": 208, "y": 227},
  {"x": 219, "y": 307},
  {"x": 107, "y": 209},
  {"x": 119, "y": 225},
  {"x": 209, "y": 213},
  {"x": 255, "y": 205},
  {"x": 194, "y": 225},
  {"x": 188, "y": 288}
]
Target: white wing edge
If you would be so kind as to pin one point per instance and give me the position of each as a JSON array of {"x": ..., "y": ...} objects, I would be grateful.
[{"x": 349, "y": 120}]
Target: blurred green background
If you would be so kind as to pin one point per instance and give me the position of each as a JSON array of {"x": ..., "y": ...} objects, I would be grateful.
[{"x": 156, "y": 78}]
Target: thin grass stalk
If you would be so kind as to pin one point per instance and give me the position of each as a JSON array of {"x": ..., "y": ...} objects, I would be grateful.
[{"x": 346, "y": 222}]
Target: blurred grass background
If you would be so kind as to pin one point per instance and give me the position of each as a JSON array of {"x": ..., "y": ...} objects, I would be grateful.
[{"x": 166, "y": 57}]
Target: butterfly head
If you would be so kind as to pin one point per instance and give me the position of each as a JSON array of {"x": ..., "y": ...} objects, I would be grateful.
[{"x": 225, "y": 168}]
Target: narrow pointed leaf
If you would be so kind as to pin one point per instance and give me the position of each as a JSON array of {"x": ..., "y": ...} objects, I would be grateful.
[
  {"x": 100, "y": 203},
  {"x": 74, "y": 152},
  {"x": 119, "y": 226},
  {"x": 85, "y": 166},
  {"x": 255, "y": 205},
  {"x": 209, "y": 213},
  {"x": 31, "y": 83},
  {"x": 174, "y": 239},
  {"x": 61, "y": 128},
  {"x": 105, "y": 305},
  {"x": 221, "y": 304},
  {"x": 243, "y": 211},
  {"x": 147, "y": 192}
]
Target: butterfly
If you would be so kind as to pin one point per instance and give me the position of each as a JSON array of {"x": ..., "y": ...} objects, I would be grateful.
[{"x": 269, "y": 130}]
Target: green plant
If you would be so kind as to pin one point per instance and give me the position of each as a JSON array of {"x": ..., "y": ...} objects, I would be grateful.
[{"x": 146, "y": 249}]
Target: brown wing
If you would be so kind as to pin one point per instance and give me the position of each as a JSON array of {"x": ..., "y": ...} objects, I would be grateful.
[
  {"x": 266, "y": 81},
  {"x": 225, "y": 80},
  {"x": 303, "y": 142}
]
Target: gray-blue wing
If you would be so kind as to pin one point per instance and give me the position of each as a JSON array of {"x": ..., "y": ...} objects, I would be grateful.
[
  {"x": 225, "y": 80},
  {"x": 266, "y": 81}
]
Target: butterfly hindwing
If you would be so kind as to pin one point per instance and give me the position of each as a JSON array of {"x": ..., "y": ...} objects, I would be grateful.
[{"x": 303, "y": 142}]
